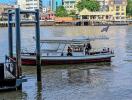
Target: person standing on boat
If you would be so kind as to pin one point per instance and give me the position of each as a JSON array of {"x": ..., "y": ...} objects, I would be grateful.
[
  {"x": 88, "y": 47},
  {"x": 69, "y": 51}
]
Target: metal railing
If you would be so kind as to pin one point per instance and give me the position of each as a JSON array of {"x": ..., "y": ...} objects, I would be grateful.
[{"x": 10, "y": 65}]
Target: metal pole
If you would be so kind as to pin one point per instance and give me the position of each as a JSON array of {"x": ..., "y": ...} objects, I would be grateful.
[
  {"x": 10, "y": 37},
  {"x": 18, "y": 42},
  {"x": 38, "y": 61}
]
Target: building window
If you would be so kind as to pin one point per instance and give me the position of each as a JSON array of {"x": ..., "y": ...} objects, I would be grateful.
[
  {"x": 122, "y": 13},
  {"x": 117, "y": 13},
  {"x": 122, "y": 17},
  {"x": 117, "y": 8},
  {"x": 122, "y": 8},
  {"x": 84, "y": 17},
  {"x": 72, "y": 2},
  {"x": 107, "y": 17},
  {"x": 117, "y": 17}
]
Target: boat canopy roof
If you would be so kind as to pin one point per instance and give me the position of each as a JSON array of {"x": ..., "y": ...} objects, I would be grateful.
[{"x": 69, "y": 40}]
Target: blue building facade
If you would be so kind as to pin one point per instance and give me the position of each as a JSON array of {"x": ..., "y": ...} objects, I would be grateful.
[{"x": 55, "y": 3}]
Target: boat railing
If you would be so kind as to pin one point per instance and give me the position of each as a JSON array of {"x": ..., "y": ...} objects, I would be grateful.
[
  {"x": 101, "y": 51},
  {"x": 54, "y": 54},
  {"x": 93, "y": 51},
  {"x": 25, "y": 51}
]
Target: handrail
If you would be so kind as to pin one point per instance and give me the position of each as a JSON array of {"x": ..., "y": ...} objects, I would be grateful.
[
  {"x": 9, "y": 58},
  {"x": 10, "y": 63}
]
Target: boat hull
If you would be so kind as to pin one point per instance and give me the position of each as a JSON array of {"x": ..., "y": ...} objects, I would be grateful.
[{"x": 65, "y": 60}]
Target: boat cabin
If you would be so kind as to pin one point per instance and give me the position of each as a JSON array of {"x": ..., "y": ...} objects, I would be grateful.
[{"x": 61, "y": 46}]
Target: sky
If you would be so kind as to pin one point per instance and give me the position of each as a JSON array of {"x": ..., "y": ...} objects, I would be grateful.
[{"x": 45, "y": 2}]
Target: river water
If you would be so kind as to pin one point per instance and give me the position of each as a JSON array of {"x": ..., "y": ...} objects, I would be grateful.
[{"x": 101, "y": 81}]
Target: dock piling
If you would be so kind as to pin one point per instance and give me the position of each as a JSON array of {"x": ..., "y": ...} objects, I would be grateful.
[
  {"x": 10, "y": 35},
  {"x": 38, "y": 61},
  {"x": 18, "y": 44}
]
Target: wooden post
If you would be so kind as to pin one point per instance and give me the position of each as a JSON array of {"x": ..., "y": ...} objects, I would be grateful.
[
  {"x": 18, "y": 45},
  {"x": 10, "y": 37},
  {"x": 38, "y": 62}
]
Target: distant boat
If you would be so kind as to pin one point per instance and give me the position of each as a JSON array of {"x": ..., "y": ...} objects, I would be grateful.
[{"x": 74, "y": 51}]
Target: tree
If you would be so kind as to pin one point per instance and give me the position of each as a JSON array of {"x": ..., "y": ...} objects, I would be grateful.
[
  {"x": 72, "y": 14},
  {"x": 91, "y": 5},
  {"x": 61, "y": 12},
  {"x": 129, "y": 8}
]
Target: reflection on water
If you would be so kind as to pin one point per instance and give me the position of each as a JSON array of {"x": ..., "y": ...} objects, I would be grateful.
[{"x": 107, "y": 81}]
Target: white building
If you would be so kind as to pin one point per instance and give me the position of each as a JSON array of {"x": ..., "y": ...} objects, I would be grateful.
[
  {"x": 45, "y": 9},
  {"x": 70, "y": 5},
  {"x": 30, "y": 4}
]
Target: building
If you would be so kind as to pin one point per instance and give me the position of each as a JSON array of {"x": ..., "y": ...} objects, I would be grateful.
[
  {"x": 45, "y": 9},
  {"x": 4, "y": 10},
  {"x": 51, "y": 4},
  {"x": 49, "y": 15},
  {"x": 30, "y": 4},
  {"x": 116, "y": 11},
  {"x": 95, "y": 16},
  {"x": 70, "y": 5},
  {"x": 54, "y": 4},
  {"x": 22, "y": 4},
  {"x": 118, "y": 8}
]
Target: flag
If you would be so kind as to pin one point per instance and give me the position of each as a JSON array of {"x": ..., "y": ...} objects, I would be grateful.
[{"x": 105, "y": 29}]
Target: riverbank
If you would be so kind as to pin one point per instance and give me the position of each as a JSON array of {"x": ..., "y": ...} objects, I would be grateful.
[{"x": 74, "y": 23}]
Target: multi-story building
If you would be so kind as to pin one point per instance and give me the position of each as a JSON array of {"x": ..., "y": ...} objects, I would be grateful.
[
  {"x": 59, "y": 3},
  {"x": 4, "y": 10},
  {"x": 70, "y": 5},
  {"x": 54, "y": 4},
  {"x": 30, "y": 4},
  {"x": 118, "y": 7},
  {"x": 22, "y": 4}
]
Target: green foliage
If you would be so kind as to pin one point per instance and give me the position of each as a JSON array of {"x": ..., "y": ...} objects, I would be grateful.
[
  {"x": 91, "y": 5},
  {"x": 129, "y": 8},
  {"x": 61, "y": 12},
  {"x": 72, "y": 13}
]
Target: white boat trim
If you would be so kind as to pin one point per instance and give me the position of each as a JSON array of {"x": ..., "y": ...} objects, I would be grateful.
[{"x": 97, "y": 56}]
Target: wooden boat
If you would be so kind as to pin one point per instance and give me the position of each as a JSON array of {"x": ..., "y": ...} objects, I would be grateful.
[{"x": 80, "y": 52}]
